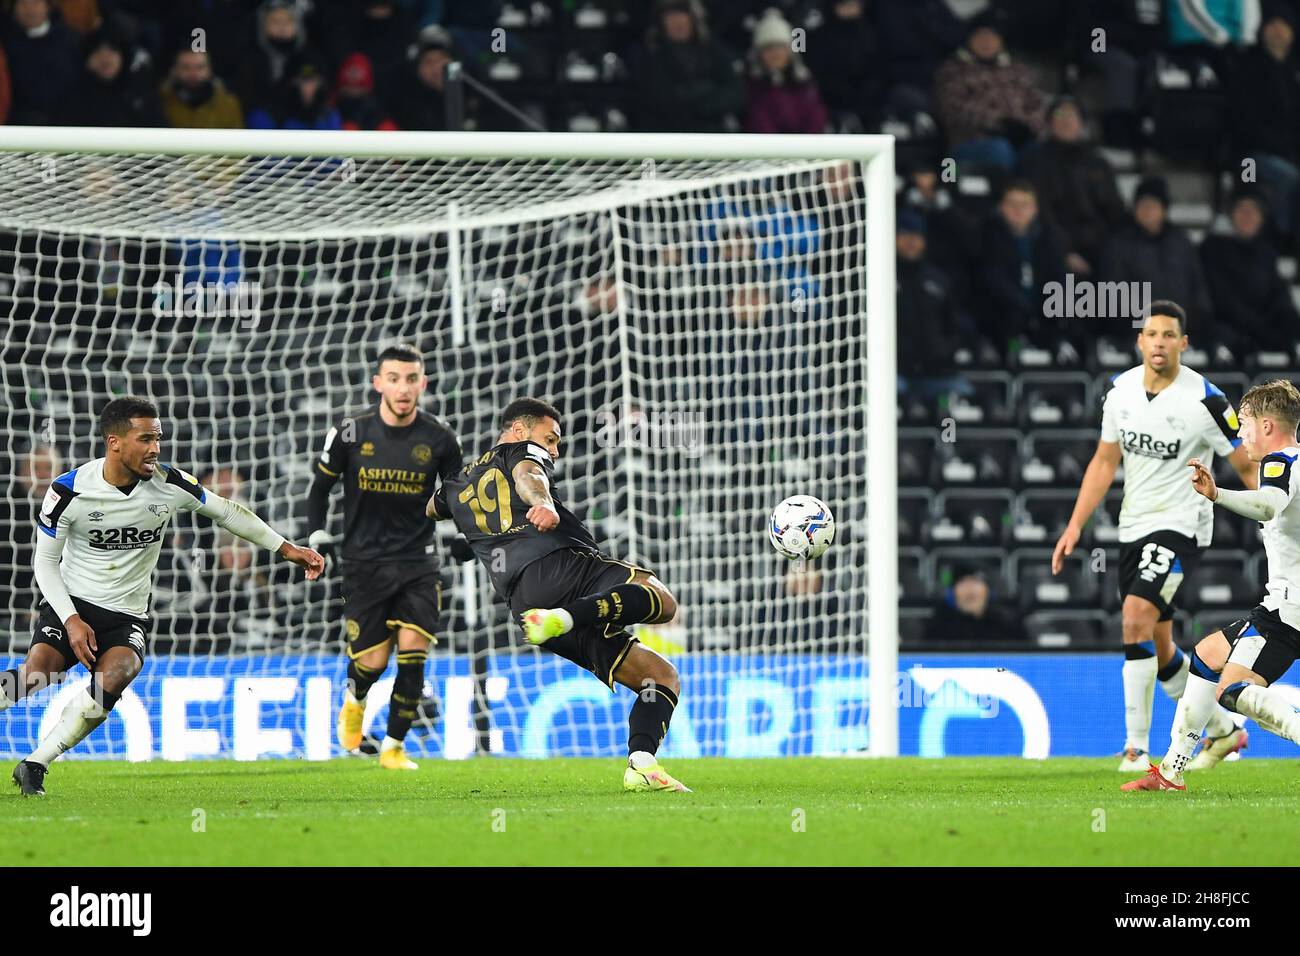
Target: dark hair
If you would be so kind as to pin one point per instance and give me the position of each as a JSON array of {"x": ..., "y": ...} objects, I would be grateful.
[
  {"x": 117, "y": 414},
  {"x": 1172, "y": 309},
  {"x": 1018, "y": 184},
  {"x": 401, "y": 352},
  {"x": 528, "y": 410}
]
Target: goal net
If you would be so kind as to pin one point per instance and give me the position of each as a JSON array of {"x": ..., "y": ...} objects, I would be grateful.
[{"x": 708, "y": 313}]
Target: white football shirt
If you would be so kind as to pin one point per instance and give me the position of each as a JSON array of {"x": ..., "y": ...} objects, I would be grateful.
[
  {"x": 1190, "y": 418},
  {"x": 1282, "y": 536},
  {"x": 109, "y": 542}
]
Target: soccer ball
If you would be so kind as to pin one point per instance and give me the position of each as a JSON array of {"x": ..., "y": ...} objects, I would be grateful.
[{"x": 801, "y": 527}]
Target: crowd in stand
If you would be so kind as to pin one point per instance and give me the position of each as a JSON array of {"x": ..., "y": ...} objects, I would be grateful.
[{"x": 1021, "y": 96}]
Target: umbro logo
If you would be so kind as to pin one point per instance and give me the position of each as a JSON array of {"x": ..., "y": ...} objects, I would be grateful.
[
  {"x": 161, "y": 511},
  {"x": 96, "y": 516}
]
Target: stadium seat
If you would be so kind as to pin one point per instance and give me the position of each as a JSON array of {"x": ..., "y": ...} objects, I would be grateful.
[
  {"x": 1056, "y": 400},
  {"x": 1076, "y": 586},
  {"x": 982, "y": 516},
  {"x": 1039, "y": 516},
  {"x": 915, "y": 578},
  {"x": 1224, "y": 579},
  {"x": 983, "y": 457},
  {"x": 1073, "y": 629},
  {"x": 1056, "y": 456},
  {"x": 915, "y": 514}
]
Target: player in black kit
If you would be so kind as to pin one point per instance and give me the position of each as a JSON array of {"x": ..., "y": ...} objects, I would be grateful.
[
  {"x": 571, "y": 599},
  {"x": 390, "y": 459}
]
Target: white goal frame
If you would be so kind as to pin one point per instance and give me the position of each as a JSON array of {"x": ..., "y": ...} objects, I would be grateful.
[{"x": 874, "y": 152}]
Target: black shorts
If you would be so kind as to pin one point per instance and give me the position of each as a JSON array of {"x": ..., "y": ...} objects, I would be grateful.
[
  {"x": 1264, "y": 643},
  {"x": 1154, "y": 568},
  {"x": 112, "y": 629},
  {"x": 562, "y": 577},
  {"x": 381, "y": 598}
]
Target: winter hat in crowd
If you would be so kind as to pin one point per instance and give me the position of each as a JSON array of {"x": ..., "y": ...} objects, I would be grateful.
[
  {"x": 433, "y": 37},
  {"x": 1065, "y": 99},
  {"x": 909, "y": 220},
  {"x": 1153, "y": 187},
  {"x": 772, "y": 30},
  {"x": 104, "y": 37},
  {"x": 356, "y": 73}
]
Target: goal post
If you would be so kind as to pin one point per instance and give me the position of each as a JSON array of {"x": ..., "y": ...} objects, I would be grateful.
[{"x": 714, "y": 314}]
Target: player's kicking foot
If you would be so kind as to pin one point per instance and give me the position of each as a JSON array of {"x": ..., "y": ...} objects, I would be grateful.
[
  {"x": 542, "y": 624},
  {"x": 394, "y": 758},
  {"x": 351, "y": 716},
  {"x": 644, "y": 773},
  {"x": 1135, "y": 761},
  {"x": 1154, "y": 780},
  {"x": 1213, "y": 751},
  {"x": 29, "y": 777}
]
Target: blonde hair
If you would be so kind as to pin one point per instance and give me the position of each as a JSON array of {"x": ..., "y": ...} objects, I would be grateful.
[{"x": 1278, "y": 400}]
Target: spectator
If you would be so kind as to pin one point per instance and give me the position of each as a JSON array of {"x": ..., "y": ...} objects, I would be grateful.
[
  {"x": 301, "y": 102},
  {"x": 227, "y": 27},
  {"x": 356, "y": 102},
  {"x": 687, "y": 82},
  {"x": 951, "y": 233},
  {"x": 280, "y": 40},
  {"x": 382, "y": 32},
  {"x": 1150, "y": 249},
  {"x": 44, "y": 62},
  {"x": 109, "y": 93},
  {"x": 1018, "y": 255},
  {"x": 845, "y": 56},
  {"x": 36, "y": 469},
  {"x": 783, "y": 96},
  {"x": 916, "y": 36},
  {"x": 1076, "y": 186},
  {"x": 193, "y": 98},
  {"x": 418, "y": 101},
  {"x": 927, "y": 316},
  {"x": 1264, "y": 110},
  {"x": 1133, "y": 32},
  {"x": 1252, "y": 303},
  {"x": 987, "y": 104},
  {"x": 967, "y": 614}
]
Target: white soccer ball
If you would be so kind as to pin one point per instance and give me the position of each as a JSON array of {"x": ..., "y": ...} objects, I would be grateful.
[{"x": 801, "y": 527}]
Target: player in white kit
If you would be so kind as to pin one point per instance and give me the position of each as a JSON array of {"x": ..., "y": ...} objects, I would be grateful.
[
  {"x": 1238, "y": 664},
  {"x": 1156, "y": 417},
  {"x": 99, "y": 534}
]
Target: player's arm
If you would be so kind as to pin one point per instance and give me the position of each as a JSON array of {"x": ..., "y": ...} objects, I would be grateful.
[
  {"x": 1275, "y": 491},
  {"x": 1092, "y": 491},
  {"x": 51, "y": 536},
  {"x": 534, "y": 487},
  {"x": 243, "y": 523},
  {"x": 329, "y": 467}
]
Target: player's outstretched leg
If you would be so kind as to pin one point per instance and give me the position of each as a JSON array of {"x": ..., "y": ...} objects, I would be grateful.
[
  {"x": 412, "y": 652},
  {"x": 1222, "y": 736},
  {"x": 114, "y": 670},
  {"x": 658, "y": 689},
  {"x": 1195, "y": 708},
  {"x": 1269, "y": 709},
  {"x": 643, "y": 600}
]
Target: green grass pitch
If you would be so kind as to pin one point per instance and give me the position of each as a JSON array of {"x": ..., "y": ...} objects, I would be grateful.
[{"x": 562, "y": 812}]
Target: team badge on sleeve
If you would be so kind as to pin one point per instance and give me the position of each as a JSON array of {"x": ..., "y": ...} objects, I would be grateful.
[
  {"x": 1275, "y": 471},
  {"x": 48, "y": 507}
]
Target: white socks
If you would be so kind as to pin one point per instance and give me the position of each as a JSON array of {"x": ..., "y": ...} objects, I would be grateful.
[
  {"x": 389, "y": 743},
  {"x": 1220, "y": 723},
  {"x": 1270, "y": 711},
  {"x": 82, "y": 715},
  {"x": 1139, "y": 691},
  {"x": 1175, "y": 683},
  {"x": 565, "y": 618},
  {"x": 1194, "y": 708},
  {"x": 350, "y": 698},
  {"x": 640, "y": 759}
]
